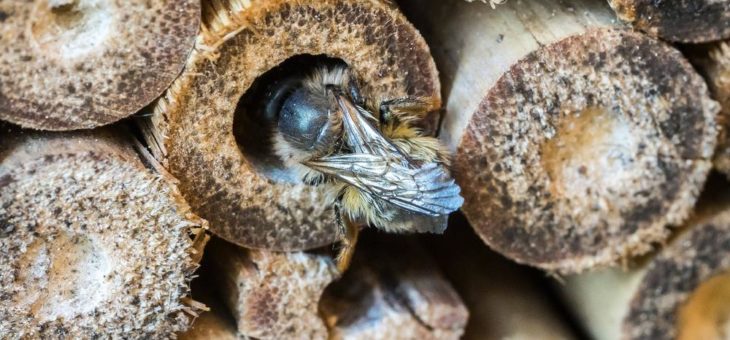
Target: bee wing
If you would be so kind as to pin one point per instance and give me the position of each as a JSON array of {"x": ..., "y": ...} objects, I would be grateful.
[
  {"x": 427, "y": 190},
  {"x": 361, "y": 133}
]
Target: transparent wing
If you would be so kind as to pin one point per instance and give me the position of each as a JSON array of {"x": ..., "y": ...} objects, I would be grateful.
[{"x": 427, "y": 189}]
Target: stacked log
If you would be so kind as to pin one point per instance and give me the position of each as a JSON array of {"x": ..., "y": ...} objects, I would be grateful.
[
  {"x": 577, "y": 141},
  {"x": 95, "y": 242}
]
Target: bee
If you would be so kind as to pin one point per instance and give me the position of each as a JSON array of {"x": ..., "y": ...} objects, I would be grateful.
[{"x": 379, "y": 170}]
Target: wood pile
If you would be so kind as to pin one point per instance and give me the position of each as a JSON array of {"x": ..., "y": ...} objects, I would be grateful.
[{"x": 150, "y": 186}]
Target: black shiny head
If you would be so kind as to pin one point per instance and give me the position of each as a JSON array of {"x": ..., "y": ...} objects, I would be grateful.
[{"x": 304, "y": 120}]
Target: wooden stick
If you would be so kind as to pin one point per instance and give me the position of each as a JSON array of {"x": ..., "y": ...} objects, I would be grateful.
[
  {"x": 271, "y": 295},
  {"x": 93, "y": 240},
  {"x": 504, "y": 300},
  {"x": 220, "y": 151},
  {"x": 696, "y": 22},
  {"x": 68, "y": 65},
  {"x": 679, "y": 293},
  {"x": 393, "y": 291},
  {"x": 576, "y": 141}
]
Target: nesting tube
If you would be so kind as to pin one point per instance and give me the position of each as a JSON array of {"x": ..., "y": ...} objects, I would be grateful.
[
  {"x": 679, "y": 293},
  {"x": 696, "y": 21},
  {"x": 203, "y": 132},
  {"x": 270, "y": 295},
  {"x": 394, "y": 290},
  {"x": 577, "y": 140},
  {"x": 95, "y": 242},
  {"x": 78, "y": 64}
]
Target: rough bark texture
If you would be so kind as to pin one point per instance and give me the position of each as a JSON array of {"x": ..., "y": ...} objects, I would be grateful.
[
  {"x": 192, "y": 130},
  {"x": 576, "y": 143},
  {"x": 505, "y": 301},
  {"x": 94, "y": 243},
  {"x": 271, "y": 295},
  {"x": 393, "y": 291},
  {"x": 685, "y": 21},
  {"x": 81, "y": 64},
  {"x": 649, "y": 300}
]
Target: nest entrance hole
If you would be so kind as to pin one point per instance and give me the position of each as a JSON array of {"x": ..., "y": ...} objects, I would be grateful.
[{"x": 254, "y": 129}]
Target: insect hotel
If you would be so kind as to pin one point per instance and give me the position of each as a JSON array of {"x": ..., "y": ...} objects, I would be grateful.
[{"x": 364, "y": 169}]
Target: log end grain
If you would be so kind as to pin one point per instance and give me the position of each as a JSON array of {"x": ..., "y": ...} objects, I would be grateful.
[
  {"x": 82, "y": 64},
  {"x": 92, "y": 240},
  {"x": 586, "y": 150},
  {"x": 192, "y": 131},
  {"x": 689, "y": 22}
]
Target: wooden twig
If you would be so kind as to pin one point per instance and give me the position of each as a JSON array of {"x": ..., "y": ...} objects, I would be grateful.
[
  {"x": 94, "y": 242},
  {"x": 577, "y": 141},
  {"x": 199, "y": 124},
  {"x": 71, "y": 65}
]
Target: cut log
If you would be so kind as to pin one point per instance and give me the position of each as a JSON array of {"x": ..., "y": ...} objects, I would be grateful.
[
  {"x": 505, "y": 301},
  {"x": 271, "y": 295},
  {"x": 695, "y": 21},
  {"x": 679, "y": 293},
  {"x": 67, "y": 65},
  {"x": 577, "y": 142},
  {"x": 206, "y": 132},
  {"x": 94, "y": 243},
  {"x": 393, "y": 291}
]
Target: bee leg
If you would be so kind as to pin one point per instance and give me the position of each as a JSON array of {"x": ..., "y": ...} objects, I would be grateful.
[
  {"x": 349, "y": 233},
  {"x": 407, "y": 106}
]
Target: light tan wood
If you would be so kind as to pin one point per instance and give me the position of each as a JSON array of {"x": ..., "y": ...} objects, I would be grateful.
[
  {"x": 577, "y": 140},
  {"x": 271, "y": 295},
  {"x": 95, "y": 243},
  {"x": 393, "y": 290},
  {"x": 198, "y": 124}
]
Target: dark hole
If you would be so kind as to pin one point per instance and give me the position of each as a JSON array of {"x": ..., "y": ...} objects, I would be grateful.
[{"x": 254, "y": 130}]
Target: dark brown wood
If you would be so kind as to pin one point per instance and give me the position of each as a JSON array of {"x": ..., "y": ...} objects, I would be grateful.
[
  {"x": 67, "y": 65},
  {"x": 95, "y": 243},
  {"x": 195, "y": 126},
  {"x": 577, "y": 141}
]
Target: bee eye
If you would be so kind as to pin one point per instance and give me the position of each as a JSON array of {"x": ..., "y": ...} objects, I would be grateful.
[{"x": 303, "y": 119}]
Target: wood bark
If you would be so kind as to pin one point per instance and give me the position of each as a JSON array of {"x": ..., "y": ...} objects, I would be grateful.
[
  {"x": 393, "y": 291},
  {"x": 695, "y": 21},
  {"x": 577, "y": 141},
  {"x": 95, "y": 243},
  {"x": 198, "y": 124},
  {"x": 68, "y": 65},
  {"x": 505, "y": 301},
  {"x": 678, "y": 293},
  {"x": 271, "y": 295}
]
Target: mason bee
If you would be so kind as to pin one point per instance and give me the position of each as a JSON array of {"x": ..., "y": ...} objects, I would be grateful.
[{"x": 380, "y": 171}]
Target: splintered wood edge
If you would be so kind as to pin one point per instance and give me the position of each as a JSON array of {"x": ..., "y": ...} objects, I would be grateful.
[
  {"x": 522, "y": 213},
  {"x": 674, "y": 276},
  {"x": 110, "y": 79},
  {"x": 272, "y": 295},
  {"x": 23, "y": 152},
  {"x": 234, "y": 48},
  {"x": 702, "y": 21},
  {"x": 393, "y": 291}
]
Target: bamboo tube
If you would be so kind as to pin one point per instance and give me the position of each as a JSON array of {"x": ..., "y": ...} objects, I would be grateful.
[
  {"x": 93, "y": 241},
  {"x": 505, "y": 301},
  {"x": 696, "y": 21},
  {"x": 393, "y": 291},
  {"x": 577, "y": 141},
  {"x": 679, "y": 293},
  {"x": 271, "y": 295},
  {"x": 74, "y": 64},
  {"x": 206, "y": 132}
]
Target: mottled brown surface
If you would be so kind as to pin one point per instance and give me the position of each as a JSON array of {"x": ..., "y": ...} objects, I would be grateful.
[
  {"x": 271, "y": 295},
  {"x": 192, "y": 129},
  {"x": 686, "y": 21},
  {"x": 695, "y": 257},
  {"x": 93, "y": 243},
  {"x": 393, "y": 290},
  {"x": 617, "y": 190},
  {"x": 92, "y": 63},
  {"x": 714, "y": 61}
]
